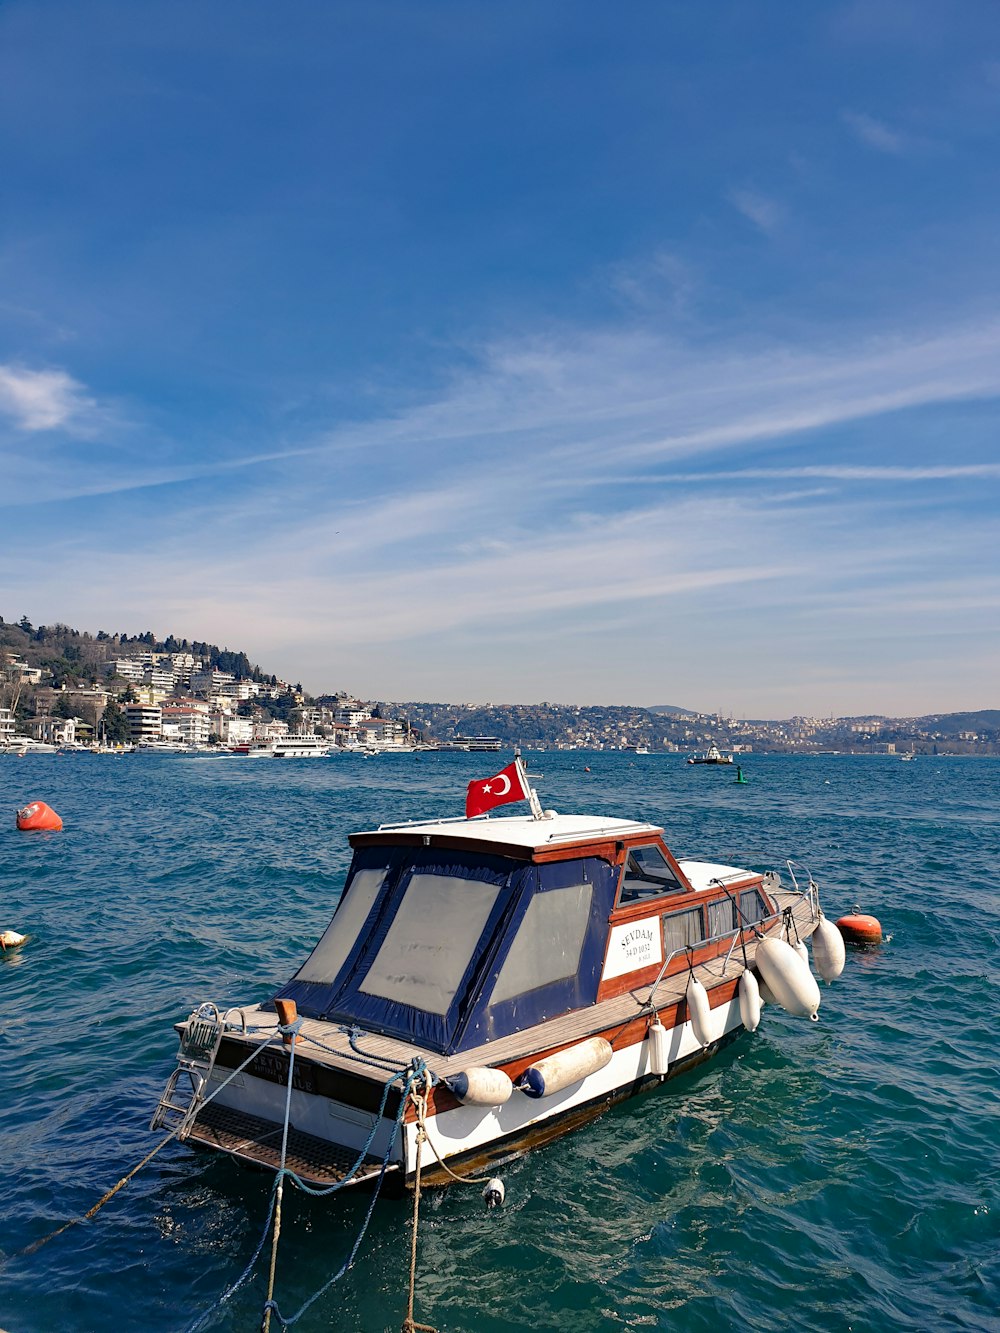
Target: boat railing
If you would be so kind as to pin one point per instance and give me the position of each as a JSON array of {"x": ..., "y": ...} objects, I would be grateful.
[
  {"x": 811, "y": 891},
  {"x": 734, "y": 937}
]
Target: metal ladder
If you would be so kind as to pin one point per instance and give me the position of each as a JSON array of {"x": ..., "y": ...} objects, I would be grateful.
[{"x": 185, "y": 1091}]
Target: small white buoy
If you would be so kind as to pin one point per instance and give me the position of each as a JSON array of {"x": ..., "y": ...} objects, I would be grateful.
[
  {"x": 699, "y": 1011},
  {"x": 749, "y": 1001},
  {"x": 829, "y": 953},
  {"x": 494, "y": 1192},
  {"x": 788, "y": 977},
  {"x": 10, "y": 939}
]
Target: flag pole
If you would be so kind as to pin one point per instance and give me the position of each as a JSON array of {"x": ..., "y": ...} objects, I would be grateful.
[{"x": 522, "y": 773}]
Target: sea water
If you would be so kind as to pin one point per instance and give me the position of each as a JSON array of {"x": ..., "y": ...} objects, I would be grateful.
[{"x": 836, "y": 1175}]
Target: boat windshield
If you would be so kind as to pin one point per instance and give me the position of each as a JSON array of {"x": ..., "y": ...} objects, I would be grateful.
[{"x": 647, "y": 874}]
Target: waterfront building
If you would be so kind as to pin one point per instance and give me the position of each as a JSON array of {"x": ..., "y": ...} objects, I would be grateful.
[
  {"x": 144, "y": 721},
  {"x": 54, "y": 730},
  {"x": 191, "y": 725}
]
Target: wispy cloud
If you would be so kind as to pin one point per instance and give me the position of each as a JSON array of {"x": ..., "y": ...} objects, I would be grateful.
[
  {"x": 874, "y": 133},
  {"x": 38, "y": 400},
  {"x": 836, "y": 472},
  {"x": 760, "y": 209}
]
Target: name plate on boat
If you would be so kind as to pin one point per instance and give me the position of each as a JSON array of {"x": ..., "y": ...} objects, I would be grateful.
[{"x": 632, "y": 946}]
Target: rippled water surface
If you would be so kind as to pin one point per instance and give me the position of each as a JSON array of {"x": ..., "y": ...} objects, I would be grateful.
[{"x": 839, "y": 1175}]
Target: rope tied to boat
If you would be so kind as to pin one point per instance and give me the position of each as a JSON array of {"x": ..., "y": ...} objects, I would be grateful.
[
  {"x": 109, "y": 1195},
  {"x": 409, "y": 1075},
  {"x": 419, "y": 1100}
]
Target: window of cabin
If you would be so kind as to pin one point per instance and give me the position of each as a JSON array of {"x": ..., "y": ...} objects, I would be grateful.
[
  {"x": 752, "y": 907},
  {"x": 548, "y": 942},
  {"x": 647, "y": 874},
  {"x": 431, "y": 940},
  {"x": 721, "y": 918},
  {"x": 330, "y": 954},
  {"x": 681, "y": 929}
]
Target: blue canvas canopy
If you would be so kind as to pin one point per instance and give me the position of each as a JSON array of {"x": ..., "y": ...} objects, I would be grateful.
[{"x": 450, "y": 948}]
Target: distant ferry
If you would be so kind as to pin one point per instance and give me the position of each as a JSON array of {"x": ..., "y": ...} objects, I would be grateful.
[
  {"x": 297, "y": 747},
  {"x": 713, "y": 755},
  {"x": 285, "y": 747},
  {"x": 477, "y": 743}
]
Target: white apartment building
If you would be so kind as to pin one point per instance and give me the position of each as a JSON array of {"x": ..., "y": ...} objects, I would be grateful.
[
  {"x": 232, "y": 730},
  {"x": 159, "y": 677},
  {"x": 191, "y": 725},
  {"x": 350, "y": 714},
  {"x": 211, "y": 680},
  {"x": 129, "y": 668},
  {"x": 6, "y": 724},
  {"x": 144, "y": 721}
]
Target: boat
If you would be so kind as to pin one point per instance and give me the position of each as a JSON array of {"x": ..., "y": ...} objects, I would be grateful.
[
  {"x": 292, "y": 747},
  {"x": 642, "y": 749},
  {"x": 713, "y": 755},
  {"x": 485, "y": 985},
  {"x": 22, "y": 745}
]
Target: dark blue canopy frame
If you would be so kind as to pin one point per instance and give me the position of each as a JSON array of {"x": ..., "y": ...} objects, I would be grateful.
[{"x": 470, "y": 1018}]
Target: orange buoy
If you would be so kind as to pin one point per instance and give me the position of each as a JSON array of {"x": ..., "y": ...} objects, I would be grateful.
[
  {"x": 38, "y": 815},
  {"x": 857, "y": 928}
]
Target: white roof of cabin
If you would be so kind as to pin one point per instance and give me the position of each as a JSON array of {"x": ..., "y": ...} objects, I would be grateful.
[
  {"x": 703, "y": 874},
  {"x": 526, "y": 831}
]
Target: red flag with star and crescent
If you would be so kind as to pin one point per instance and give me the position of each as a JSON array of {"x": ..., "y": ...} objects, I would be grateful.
[{"x": 485, "y": 793}]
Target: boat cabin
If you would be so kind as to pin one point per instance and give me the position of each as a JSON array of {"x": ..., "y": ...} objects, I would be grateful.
[{"x": 453, "y": 933}]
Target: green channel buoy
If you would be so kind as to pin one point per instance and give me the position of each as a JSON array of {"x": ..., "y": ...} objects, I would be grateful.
[{"x": 744, "y": 782}]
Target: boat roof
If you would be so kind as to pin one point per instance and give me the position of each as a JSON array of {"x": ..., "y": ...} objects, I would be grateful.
[{"x": 521, "y": 836}]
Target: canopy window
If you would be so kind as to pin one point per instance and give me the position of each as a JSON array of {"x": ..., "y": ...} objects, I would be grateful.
[
  {"x": 431, "y": 941},
  {"x": 353, "y": 911}
]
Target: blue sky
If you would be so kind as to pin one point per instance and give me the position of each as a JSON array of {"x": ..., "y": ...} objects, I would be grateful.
[{"x": 565, "y": 351}]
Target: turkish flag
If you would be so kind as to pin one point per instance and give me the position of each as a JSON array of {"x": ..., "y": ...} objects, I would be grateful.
[{"x": 485, "y": 793}]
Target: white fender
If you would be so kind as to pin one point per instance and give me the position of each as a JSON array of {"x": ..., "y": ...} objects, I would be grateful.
[
  {"x": 829, "y": 953},
  {"x": 659, "y": 1048},
  {"x": 481, "y": 1087},
  {"x": 788, "y": 977},
  {"x": 699, "y": 1011},
  {"x": 558, "y": 1071},
  {"x": 749, "y": 1001},
  {"x": 802, "y": 951}
]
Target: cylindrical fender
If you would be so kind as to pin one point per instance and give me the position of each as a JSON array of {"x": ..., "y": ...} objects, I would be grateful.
[
  {"x": 481, "y": 1087},
  {"x": 749, "y": 1001},
  {"x": 788, "y": 977},
  {"x": 558, "y": 1071}
]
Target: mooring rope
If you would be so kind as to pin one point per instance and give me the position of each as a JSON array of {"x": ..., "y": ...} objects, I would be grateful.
[
  {"x": 414, "y": 1071},
  {"x": 420, "y": 1102},
  {"x": 106, "y": 1198},
  {"x": 266, "y": 1323}
]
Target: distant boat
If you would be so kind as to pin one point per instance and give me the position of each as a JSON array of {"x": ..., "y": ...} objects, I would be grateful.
[
  {"x": 642, "y": 749},
  {"x": 295, "y": 747},
  {"x": 713, "y": 755},
  {"x": 22, "y": 745}
]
